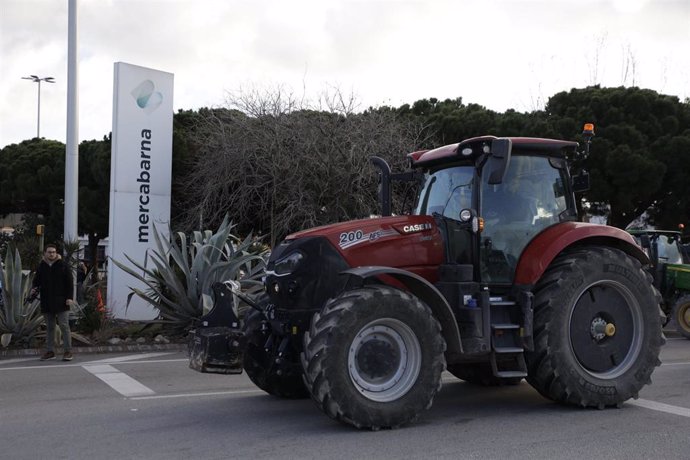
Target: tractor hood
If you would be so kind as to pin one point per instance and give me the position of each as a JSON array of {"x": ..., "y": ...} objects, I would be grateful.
[
  {"x": 410, "y": 242},
  {"x": 305, "y": 269}
]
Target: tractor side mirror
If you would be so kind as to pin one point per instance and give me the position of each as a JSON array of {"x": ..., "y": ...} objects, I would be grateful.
[
  {"x": 499, "y": 159},
  {"x": 581, "y": 182}
]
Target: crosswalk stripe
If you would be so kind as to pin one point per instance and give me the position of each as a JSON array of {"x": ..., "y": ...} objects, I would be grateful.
[{"x": 118, "y": 381}]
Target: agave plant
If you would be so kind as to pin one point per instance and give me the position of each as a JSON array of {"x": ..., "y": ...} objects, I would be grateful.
[
  {"x": 20, "y": 320},
  {"x": 179, "y": 282}
]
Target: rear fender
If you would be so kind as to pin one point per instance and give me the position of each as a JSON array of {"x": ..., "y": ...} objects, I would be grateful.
[
  {"x": 426, "y": 292},
  {"x": 544, "y": 248}
]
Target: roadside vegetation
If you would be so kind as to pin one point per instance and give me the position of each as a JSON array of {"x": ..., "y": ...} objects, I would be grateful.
[{"x": 184, "y": 270}]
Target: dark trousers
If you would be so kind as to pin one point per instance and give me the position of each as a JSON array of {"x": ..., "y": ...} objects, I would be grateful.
[{"x": 63, "y": 321}]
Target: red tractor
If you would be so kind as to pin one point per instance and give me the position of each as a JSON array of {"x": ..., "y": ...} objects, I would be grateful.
[{"x": 490, "y": 278}]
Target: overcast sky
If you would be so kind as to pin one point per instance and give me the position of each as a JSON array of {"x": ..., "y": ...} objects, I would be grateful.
[{"x": 498, "y": 53}]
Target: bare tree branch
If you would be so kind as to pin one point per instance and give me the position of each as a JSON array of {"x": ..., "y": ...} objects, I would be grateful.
[{"x": 278, "y": 165}]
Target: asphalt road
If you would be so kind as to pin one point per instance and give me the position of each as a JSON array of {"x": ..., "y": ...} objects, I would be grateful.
[{"x": 152, "y": 406}]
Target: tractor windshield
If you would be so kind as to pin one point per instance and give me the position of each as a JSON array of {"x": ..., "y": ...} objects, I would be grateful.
[
  {"x": 669, "y": 253},
  {"x": 447, "y": 192}
]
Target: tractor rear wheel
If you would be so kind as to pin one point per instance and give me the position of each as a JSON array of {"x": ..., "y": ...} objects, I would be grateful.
[
  {"x": 597, "y": 329},
  {"x": 681, "y": 316},
  {"x": 260, "y": 361},
  {"x": 373, "y": 357}
]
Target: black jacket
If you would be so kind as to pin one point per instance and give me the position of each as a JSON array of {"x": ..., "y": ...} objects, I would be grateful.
[{"x": 55, "y": 284}]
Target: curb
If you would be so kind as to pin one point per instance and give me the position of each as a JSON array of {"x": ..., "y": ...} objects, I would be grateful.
[{"x": 98, "y": 349}]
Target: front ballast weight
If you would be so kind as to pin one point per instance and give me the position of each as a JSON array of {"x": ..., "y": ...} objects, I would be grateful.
[{"x": 217, "y": 345}]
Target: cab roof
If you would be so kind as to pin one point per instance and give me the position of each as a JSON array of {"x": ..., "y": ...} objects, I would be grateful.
[{"x": 479, "y": 145}]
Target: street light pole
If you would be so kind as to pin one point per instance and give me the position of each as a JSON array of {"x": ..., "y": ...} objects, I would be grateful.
[
  {"x": 37, "y": 79},
  {"x": 72, "y": 144}
]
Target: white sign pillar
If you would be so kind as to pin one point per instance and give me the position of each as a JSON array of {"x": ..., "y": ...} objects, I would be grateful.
[{"x": 140, "y": 178}]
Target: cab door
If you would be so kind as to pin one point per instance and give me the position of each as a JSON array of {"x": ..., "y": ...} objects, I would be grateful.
[{"x": 530, "y": 198}]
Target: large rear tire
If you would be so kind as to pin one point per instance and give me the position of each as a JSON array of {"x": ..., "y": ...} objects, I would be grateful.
[
  {"x": 681, "y": 316},
  {"x": 260, "y": 366},
  {"x": 597, "y": 329},
  {"x": 373, "y": 358}
]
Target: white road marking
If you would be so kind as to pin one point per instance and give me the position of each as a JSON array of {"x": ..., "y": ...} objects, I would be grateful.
[
  {"x": 177, "y": 360},
  {"x": 680, "y": 363},
  {"x": 120, "y": 359},
  {"x": 73, "y": 364},
  {"x": 119, "y": 381},
  {"x": 192, "y": 395},
  {"x": 661, "y": 407}
]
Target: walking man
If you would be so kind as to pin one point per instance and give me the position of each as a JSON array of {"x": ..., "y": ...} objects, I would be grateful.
[{"x": 54, "y": 282}]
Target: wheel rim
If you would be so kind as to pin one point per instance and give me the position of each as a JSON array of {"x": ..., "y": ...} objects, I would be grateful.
[
  {"x": 606, "y": 329},
  {"x": 683, "y": 316},
  {"x": 384, "y": 360}
]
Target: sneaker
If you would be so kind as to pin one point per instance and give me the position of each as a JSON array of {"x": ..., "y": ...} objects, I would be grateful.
[
  {"x": 48, "y": 355},
  {"x": 67, "y": 356}
]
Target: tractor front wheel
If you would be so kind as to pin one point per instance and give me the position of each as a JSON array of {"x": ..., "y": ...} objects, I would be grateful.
[
  {"x": 597, "y": 329},
  {"x": 681, "y": 316},
  {"x": 373, "y": 357}
]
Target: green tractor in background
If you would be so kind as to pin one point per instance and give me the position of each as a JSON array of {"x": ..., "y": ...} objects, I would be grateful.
[{"x": 671, "y": 271}]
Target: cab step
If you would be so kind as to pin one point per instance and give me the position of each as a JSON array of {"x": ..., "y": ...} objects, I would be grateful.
[
  {"x": 507, "y": 354},
  {"x": 510, "y": 365}
]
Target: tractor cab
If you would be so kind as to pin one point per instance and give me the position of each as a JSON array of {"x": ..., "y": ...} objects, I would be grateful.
[
  {"x": 512, "y": 198},
  {"x": 663, "y": 246},
  {"x": 666, "y": 255},
  {"x": 670, "y": 268}
]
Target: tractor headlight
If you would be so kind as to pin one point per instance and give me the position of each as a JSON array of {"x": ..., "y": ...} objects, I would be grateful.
[
  {"x": 469, "y": 217},
  {"x": 288, "y": 264}
]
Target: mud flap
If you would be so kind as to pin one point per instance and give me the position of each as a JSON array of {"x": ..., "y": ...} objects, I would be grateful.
[{"x": 216, "y": 350}]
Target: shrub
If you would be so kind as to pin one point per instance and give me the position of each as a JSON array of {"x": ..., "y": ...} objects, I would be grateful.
[
  {"x": 20, "y": 317},
  {"x": 179, "y": 283},
  {"x": 92, "y": 315}
]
